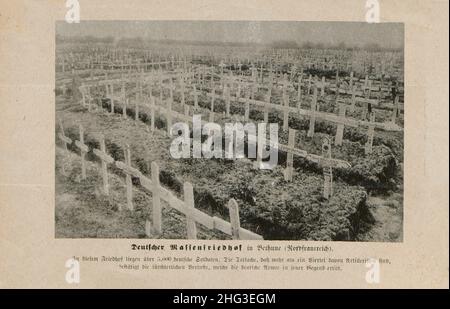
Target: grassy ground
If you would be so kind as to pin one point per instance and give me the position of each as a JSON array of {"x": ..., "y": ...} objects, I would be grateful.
[{"x": 269, "y": 206}]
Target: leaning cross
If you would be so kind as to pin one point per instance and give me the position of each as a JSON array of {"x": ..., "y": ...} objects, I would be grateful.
[
  {"x": 65, "y": 140},
  {"x": 62, "y": 136},
  {"x": 83, "y": 150}
]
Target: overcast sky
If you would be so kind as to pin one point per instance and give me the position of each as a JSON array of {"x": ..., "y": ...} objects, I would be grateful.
[{"x": 351, "y": 33}]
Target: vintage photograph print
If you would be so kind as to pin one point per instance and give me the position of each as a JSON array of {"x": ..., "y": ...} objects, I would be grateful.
[{"x": 229, "y": 130}]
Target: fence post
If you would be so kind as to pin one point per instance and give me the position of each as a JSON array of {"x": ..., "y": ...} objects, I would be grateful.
[
  {"x": 189, "y": 203},
  {"x": 233, "y": 208}
]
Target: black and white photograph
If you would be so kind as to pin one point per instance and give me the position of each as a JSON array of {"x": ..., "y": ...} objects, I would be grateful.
[{"x": 220, "y": 130}]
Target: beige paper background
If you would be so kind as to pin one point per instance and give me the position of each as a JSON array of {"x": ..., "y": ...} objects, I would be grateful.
[{"x": 30, "y": 256}]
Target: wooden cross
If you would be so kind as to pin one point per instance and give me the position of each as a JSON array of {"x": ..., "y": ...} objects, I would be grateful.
[
  {"x": 285, "y": 84},
  {"x": 322, "y": 85},
  {"x": 261, "y": 74},
  {"x": 221, "y": 65},
  {"x": 380, "y": 93},
  {"x": 247, "y": 107},
  {"x": 213, "y": 98},
  {"x": 195, "y": 96},
  {"x": 270, "y": 76},
  {"x": 290, "y": 156},
  {"x": 340, "y": 126},
  {"x": 327, "y": 170},
  {"x": 83, "y": 150},
  {"x": 128, "y": 170},
  {"x": 351, "y": 80},
  {"x": 190, "y": 216},
  {"x": 395, "y": 109},
  {"x": 309, "y": 83},
  {"x": 85, "y": 93},
  {"x": 156, "y": 204},
  {"x": 367, "y": 106},
  {"x": 238, "y": 91},
  {"x": 285, "y": 112},
  {"x": 182, "y": 90},
  {"x": 152, "y": 112},
  {"x": 299, "y": 90},
  {"x": 235, "y": 222},
  {"x": 63, "y": 137},
  {"x": 266, "y": 106},
  {"x": 370, "y": 134},
  {"x": 106, "y": 159},
  {"x": 136, "y": 111},
  {"x": 124, "y": 108},
  {"x": 227, "y": 100},
  {"x": 312, "y": 118},
  {"x": 169, "y": 114},
  {"x": 254, "y": 75},
  {"x": 293, "y": 71},
  {"x": 109, "y": 91},
  {"x": 337, "y": 79},
  {"x": 122, "y": 95},
  {"x": 353, "y": 104},
  {"x": 366, "y": 83}
]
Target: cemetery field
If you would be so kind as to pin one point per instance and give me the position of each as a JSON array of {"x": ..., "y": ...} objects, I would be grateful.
[{"x": 338, "y": 114}]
